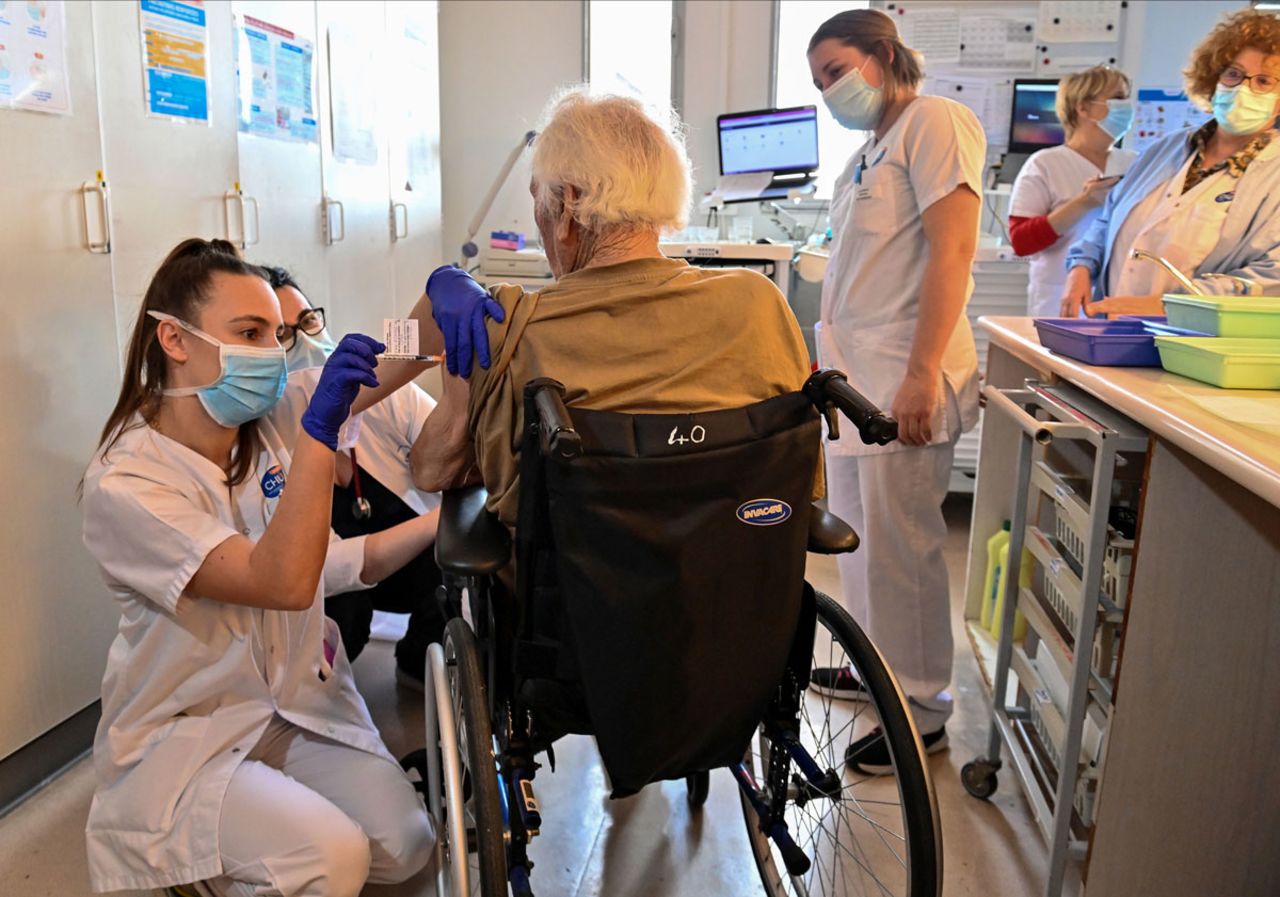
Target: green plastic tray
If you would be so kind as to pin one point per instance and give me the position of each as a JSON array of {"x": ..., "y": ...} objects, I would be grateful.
[
  {"x": 1223, "y": 361},
  {"x": 1243, "y": 316}
]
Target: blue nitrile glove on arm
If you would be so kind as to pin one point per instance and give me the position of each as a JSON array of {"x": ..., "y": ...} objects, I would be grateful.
[
  {"x": 349, "y": 367},
  {"x": 459, "y": 306}
]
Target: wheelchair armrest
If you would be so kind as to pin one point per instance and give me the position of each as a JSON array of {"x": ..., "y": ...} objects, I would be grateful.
[
  {"x": 470, "y": 541},
  {"x": 828, "y": 534}
]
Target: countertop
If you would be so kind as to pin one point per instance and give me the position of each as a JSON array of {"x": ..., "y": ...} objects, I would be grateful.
[{"x": 1235, "y": 431}]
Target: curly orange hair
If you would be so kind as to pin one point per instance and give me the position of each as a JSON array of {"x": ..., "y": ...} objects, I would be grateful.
[{"x": 1247, "y": 29}]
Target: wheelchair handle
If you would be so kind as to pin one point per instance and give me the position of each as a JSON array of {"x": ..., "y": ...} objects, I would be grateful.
[
  {"x": 830, "y": 390},
  {"x": 555, "y": 427}
]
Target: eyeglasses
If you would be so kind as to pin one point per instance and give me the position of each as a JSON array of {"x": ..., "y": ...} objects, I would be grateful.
[
  {"x": 1261, "y": 82},
  {"x": 310, "y": 322}
]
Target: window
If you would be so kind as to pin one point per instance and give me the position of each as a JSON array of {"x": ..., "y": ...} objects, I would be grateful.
[
  {"x": 793, "y": 84},
  {"x": 629, "y": 49}
]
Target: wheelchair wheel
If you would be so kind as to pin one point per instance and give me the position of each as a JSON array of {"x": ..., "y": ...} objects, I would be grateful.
[
  {"x": 487, "y": 866},
  {"x": 879, "y": 835}
]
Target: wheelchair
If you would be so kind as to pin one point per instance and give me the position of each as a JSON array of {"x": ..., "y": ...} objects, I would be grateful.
[{"x": 659, "y": 604}]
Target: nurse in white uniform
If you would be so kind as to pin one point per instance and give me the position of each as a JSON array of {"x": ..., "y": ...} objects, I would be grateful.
[
  {"x": 1059, "y": 190},
  {"x": 234, "y": 752},
  {"x": 904, "y": 218}
]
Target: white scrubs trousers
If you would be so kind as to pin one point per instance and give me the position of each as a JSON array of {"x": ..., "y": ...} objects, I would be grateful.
[
  {"x": 304, "y": 816},
  {"x": 895, "y": 585}
]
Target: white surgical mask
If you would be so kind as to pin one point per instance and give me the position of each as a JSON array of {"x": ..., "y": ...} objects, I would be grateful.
[
  {"x": 309, "y": 351},
  {"x": 249, "y": 384},
  {"x": 1119, "y": 118},
  {"x": 1241, "y": 110},
  {"x": 853, "y": 102}
]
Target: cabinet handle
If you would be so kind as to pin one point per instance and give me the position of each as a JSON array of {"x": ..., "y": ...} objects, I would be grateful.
[
  {"x": 236, "y": 196},
  {"x": 329, "y": 236},
  {"x": 257, "y": 220},
  {"x": 100, "y": 187},
  {"x": 398, "y": 233}
]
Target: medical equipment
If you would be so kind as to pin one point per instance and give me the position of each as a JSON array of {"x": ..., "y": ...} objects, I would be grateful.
[
  {"x": 773, "y": 260},
  {"x": 360, "y": 507},
  {"x": 767, "y": 154},
  {"x": 389, "y": 356},
  {"x": 469, "y": 248},
  {"x": 1082, "y": 562}
]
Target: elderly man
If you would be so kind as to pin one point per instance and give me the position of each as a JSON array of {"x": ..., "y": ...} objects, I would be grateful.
[{"x": 624, "y": 328}]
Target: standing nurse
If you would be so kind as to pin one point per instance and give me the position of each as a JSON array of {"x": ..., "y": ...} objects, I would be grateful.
[{"x": 905, "y": 222}]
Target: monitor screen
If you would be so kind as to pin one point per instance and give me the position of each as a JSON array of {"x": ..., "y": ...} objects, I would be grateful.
[
  {"x": 769, "y": 140},
  {"x": 1035, "y": 124}
]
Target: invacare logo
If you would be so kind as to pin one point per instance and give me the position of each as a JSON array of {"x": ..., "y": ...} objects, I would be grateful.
[{"x": 764, "y": 511}]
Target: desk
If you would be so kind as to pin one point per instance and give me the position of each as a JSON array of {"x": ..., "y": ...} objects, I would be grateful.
[{"x": 1189, "y": 802}]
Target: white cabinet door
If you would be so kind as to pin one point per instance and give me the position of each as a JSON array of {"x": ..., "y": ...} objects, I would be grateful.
[
  {"x": 355, "y": 95},
  {"x": 283, "y": 177},
  {"x": 61, "y": 373},
  {"x": 168, "y": 177},
  {"x": 414, "y": 122}
]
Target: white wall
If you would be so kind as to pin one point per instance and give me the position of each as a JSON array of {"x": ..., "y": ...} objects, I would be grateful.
[
  {"x": 500, "y": 61},
  {"x": 1163, "y": 34}
]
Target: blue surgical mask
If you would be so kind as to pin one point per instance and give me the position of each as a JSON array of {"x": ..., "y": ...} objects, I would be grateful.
[
  {"x": 853, "y": 102},
  {"x": 251, "y": 382},
  {"x": 309, "y": 351},
  {"x": 1241, "y": 110},
  {"x": 1119, "y": 118}
]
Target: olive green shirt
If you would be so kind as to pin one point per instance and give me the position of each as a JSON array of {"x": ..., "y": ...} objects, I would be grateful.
[{"x": 648, "y": 336}]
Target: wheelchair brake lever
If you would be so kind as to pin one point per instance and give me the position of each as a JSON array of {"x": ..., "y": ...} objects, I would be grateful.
[{"x": 832, "y": 416}]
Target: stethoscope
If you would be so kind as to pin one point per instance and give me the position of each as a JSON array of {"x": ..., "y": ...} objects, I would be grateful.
[{"x": 360, "y": 508}]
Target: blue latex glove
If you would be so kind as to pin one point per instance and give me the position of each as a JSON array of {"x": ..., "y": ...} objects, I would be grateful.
[
  {"x": 349, "y": 367},
  {"x": 459, "y": 306}
]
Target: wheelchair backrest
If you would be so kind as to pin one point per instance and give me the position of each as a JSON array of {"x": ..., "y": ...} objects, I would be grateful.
[{"x": 675, "y": 545}]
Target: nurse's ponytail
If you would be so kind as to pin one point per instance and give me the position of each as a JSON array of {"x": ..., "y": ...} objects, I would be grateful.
[
  {"x": 874, "y": 33},
  {"x": 179, "y": 287}
]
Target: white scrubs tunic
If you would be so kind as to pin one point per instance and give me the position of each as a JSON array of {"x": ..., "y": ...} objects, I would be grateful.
[
  {"x": 896, "y": 585},
  {"x": 191, "y": 684},
  {"x": 1051, "y": 178},
  {"x": 871, "y": 292}
]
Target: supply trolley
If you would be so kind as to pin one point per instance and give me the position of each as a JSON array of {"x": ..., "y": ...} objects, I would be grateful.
[{"x": 1073, "y": 518}]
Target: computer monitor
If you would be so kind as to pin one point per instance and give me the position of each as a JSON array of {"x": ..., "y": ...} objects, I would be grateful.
[
  {"x": 776, "y": 140},
  {"x": 1035, "y": 124}
]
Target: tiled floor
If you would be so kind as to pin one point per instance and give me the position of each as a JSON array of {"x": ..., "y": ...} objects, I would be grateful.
[{"x": 646, "y": 845}]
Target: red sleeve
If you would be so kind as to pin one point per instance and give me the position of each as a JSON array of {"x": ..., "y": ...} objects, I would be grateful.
[{"x": 1031, "y": 235}]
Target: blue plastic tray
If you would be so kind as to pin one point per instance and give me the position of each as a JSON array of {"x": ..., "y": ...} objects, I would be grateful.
[
  {"x": 1108, "y": 343},
  {"x": 1159, "y": 325}
]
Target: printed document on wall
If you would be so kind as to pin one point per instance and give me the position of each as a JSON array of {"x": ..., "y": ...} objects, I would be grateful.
[
  {"x": 934, "y": 34},
  {"x": 33, "y": 57},
  {"x": 274, "y": 81},
  {"x": 990, "y": 99},
  {"x": 175, "y": 59},
  {"x": 997, "y": 44},
  {"x": 354, "y": 57},
  {"x": 1078, "y": 21}
]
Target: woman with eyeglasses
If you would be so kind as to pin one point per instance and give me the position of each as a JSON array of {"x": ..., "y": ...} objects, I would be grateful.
[
  {"x": 1206, "y": 200},
  {"x": 373, "y": 486},
  {"x": 235, "y": 753},
  {"x": 1060, "y": 189}
]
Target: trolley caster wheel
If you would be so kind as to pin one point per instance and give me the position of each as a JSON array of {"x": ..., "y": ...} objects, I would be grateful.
[
  {"x": 699, "y": 786},
  {"x": 979, "y": 778}
]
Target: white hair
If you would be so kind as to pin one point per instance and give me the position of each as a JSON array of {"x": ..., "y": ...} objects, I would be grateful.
[{"x": 627, "y": 169}]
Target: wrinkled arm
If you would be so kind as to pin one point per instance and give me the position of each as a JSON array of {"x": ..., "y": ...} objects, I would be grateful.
[{"x": 443, "y": 455}]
